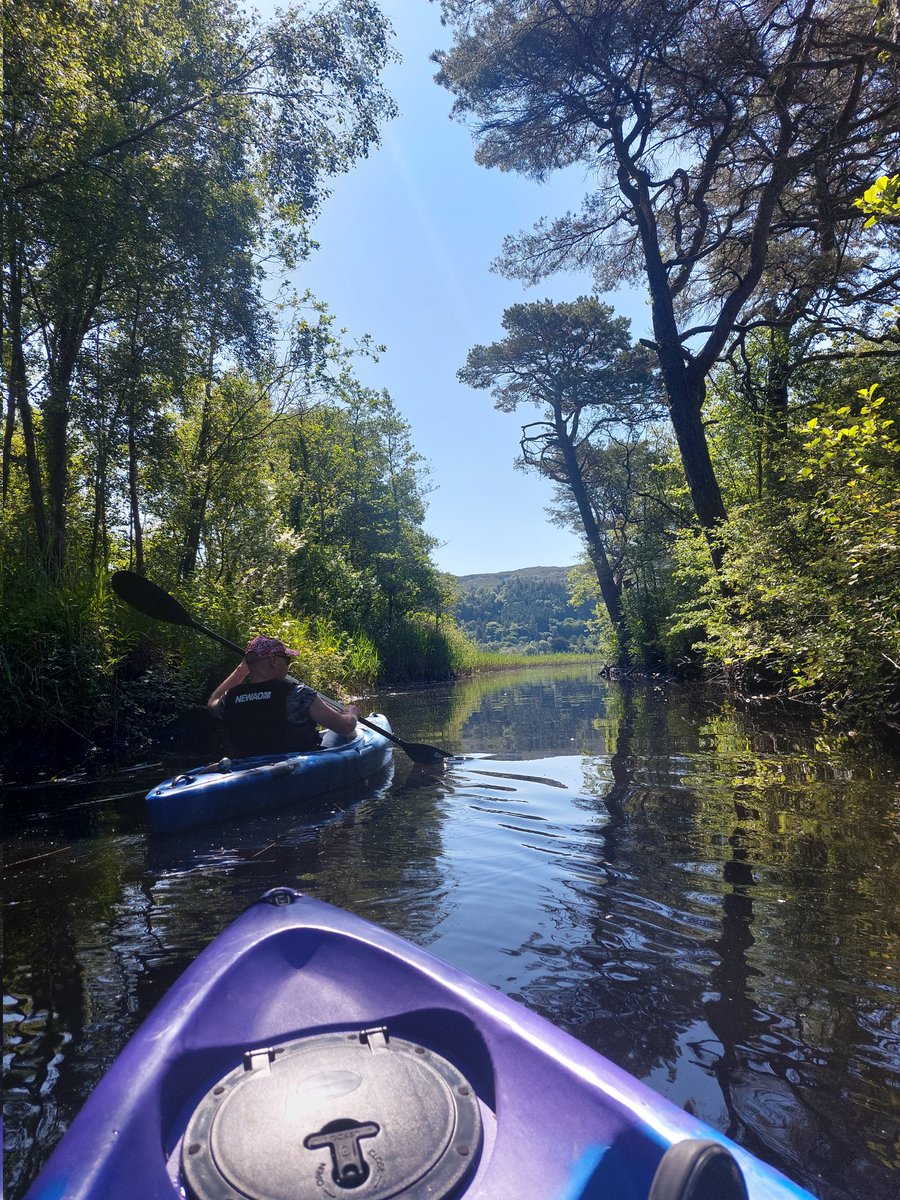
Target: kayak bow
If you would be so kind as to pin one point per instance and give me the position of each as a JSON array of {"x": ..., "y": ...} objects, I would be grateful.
[{"x": 307, "y": 1053}]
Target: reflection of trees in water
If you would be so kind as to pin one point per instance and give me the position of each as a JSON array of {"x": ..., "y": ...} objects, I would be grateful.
[
  {"x": 386, "y": 866},
  {"x": 728, "y": 929},
  {"x": 749, "y": 831},
  {"x": 542, "y": 710},
  {"x": 729, "y": 1009},
  {"x": 641, "y": 998},
  {"x": 72, "y": 983},
  {"x": 43, "y": 1008},
  {"x": 538, "y": 717},
  {"x": 742, "y": 900}
]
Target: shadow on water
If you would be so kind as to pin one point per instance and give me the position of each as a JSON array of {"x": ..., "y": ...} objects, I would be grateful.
[{"x": 709, "y": 897}]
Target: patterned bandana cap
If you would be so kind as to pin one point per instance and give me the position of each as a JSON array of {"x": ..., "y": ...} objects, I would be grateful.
[{"x": 262, "y": 647}]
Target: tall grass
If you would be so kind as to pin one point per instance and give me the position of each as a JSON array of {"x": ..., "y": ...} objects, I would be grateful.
[
  {"x": 476, "y": 660},
  {"x": 81, "y": 670},
  {"x": 56, "y": 649},
  {"x": 418, "y": 649}
]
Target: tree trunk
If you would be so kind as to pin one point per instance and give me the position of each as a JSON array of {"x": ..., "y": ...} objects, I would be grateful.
[
  {"x": 98, "y": 521},
  {"x": 56, "y": 444},
  {"x": 684, "y": 383},
  {"x": 137, "y": 533},
  {"x": 18, "y": 399},
  {"x": 193, "y": 534},
  {"x": 134, "y": 503},
  {"x": 198, "y": 499},
  {"x": 610, "y": 588},
  {"x": 66, "y": 339},
  {"x": 686, "y": 395},
  {"x": 9, "y": 426}
]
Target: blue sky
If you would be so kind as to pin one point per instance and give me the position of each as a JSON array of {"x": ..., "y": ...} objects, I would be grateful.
[{"x": 406, "y": 241}]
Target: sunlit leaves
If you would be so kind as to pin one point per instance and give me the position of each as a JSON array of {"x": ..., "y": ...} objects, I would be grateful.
[
  {"x": 881, "y": 201},
  {"x": 157, "y": 155},
  {"x": 358, "y": 509},
  {"x": 813, "y": 585}
]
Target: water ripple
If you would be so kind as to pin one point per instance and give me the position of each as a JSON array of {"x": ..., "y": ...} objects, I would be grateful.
[{"x": 707, "y": 896}]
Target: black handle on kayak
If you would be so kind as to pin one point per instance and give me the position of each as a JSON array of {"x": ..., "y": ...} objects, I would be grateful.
[{"x": 150, "y": 599}]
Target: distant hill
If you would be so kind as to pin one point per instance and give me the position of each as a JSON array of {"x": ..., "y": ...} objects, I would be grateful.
[
  {"x": 526, "y": 611},
  {"x": 496, "y": 579}
]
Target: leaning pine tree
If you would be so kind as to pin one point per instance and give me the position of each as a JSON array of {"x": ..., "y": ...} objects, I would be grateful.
[{"x": 722, "y": 135}]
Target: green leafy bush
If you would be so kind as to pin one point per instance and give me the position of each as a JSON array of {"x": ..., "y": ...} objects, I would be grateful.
[{"x": 808, "y": 599}]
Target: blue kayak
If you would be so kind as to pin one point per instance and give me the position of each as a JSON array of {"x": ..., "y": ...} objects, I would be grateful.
[
  {"x": 308, "y": 1054},
  {"x": 235, "y": 787}
]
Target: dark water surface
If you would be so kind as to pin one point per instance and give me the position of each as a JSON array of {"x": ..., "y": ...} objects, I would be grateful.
[{"x": 707, "y": 896}]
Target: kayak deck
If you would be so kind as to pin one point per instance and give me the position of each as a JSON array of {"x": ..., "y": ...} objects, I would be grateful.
[
  {"x": 307, "y": 1053},
  {"x": 235, "y": 787}
]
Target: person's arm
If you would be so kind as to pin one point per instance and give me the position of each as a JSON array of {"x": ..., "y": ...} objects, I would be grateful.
[
  {"x": 341, "y": 720},
  {"x": 238, "y": 675}
]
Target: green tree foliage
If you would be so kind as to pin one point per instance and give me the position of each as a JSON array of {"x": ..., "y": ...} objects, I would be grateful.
[
  {"x": 594, "y": 390},
  {"x": 813, "y": 589},
  {"x": 161, "y": 413},
  {"x": 311, "y": 529},
  {"x": 771, "y": 306},
  {"x": 357, "y": 514},
  {"x": 524, "y": 612},
  {"x": 728, "y": 143},
  {"x": 222, "y": 485},
  {"x": 152, "y": 153}
]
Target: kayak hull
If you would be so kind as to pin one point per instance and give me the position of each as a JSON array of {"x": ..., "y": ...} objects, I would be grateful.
[
  {"x": 237, "y": 787},
  {"x": 556, "y": 1120}
]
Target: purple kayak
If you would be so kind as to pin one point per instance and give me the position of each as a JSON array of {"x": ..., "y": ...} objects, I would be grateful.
[{"x": 307, "y": 1053}]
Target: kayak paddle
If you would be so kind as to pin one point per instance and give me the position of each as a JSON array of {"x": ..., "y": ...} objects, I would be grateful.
[{"x": 150, "y": 599}]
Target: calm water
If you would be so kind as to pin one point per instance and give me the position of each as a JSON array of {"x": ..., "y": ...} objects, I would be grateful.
[{"x": 707, "y": 896}]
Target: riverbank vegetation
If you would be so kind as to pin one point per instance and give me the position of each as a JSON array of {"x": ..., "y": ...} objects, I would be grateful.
[
  {"x": 174, "y": 407},
  {"x": 734, "y": 475}
]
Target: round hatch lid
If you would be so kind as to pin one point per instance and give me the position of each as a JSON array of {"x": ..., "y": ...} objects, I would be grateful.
[{"x": 357, "y": 1116}]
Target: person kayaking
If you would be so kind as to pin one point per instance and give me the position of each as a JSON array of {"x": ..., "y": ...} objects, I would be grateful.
[{"x": 266, "y": 711}]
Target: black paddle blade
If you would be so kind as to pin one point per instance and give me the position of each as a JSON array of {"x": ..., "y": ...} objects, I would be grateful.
[
  {"x": 148, "y": 598},
  {"x": 417, "y": 751},
  {"x": 420, "y": 753}
]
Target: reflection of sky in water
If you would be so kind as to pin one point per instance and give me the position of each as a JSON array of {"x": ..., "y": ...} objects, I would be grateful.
[{"x": 703, "y": 895}]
